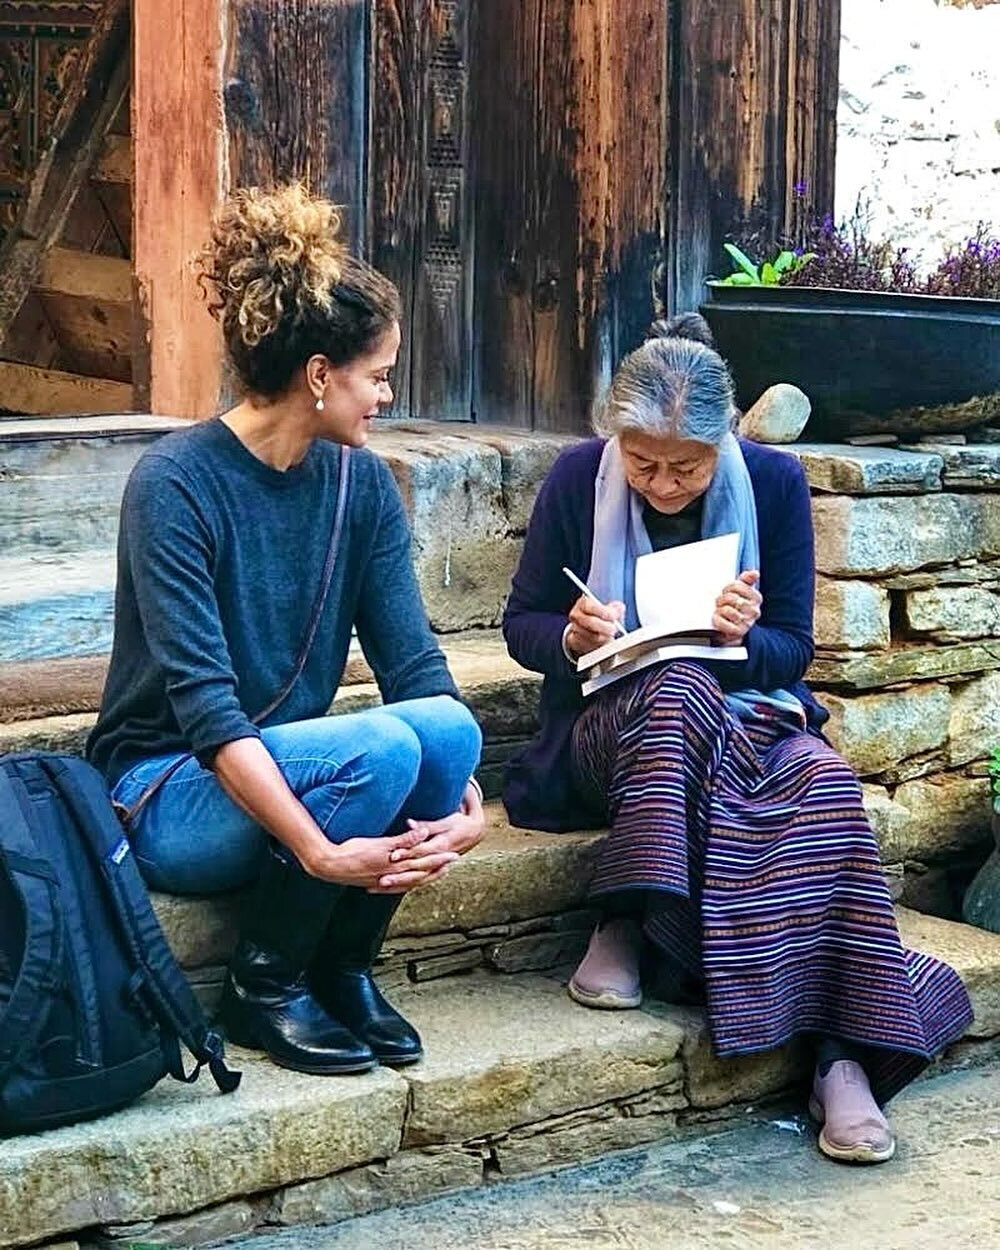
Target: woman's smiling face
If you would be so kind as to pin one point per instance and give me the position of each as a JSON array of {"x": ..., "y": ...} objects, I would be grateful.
[{"x": 356, "y": 391}]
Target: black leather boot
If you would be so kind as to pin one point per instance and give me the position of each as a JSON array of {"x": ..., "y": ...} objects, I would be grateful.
[
  {"x": 341, "y": 976},
  {"x": 267, "y": 1004}
]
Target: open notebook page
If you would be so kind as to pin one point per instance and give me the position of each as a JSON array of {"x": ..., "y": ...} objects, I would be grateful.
[{"x": 676, "y": 589}]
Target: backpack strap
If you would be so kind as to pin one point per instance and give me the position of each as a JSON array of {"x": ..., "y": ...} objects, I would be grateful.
[
  {"x": 167, "y": 992},
  {"x": 37, "y": 980},
  {"x": 129, "y": 815}
]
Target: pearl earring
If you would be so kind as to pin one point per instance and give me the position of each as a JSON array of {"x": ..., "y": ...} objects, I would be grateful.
[{"x": 320, "y": 405}]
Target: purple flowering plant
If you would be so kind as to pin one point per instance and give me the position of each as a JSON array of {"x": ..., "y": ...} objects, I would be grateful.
[{"x": 823, "y": 253}]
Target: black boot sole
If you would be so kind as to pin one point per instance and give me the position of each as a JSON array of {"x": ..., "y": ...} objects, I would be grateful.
[
  {"x": 310, "y": 1070},
  {"x": 403, "y": 1061}
]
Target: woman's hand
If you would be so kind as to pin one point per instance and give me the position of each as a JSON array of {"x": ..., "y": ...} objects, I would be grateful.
[
  {"x": 591, "y": 624},
  {"x": 737, "y": 609},
  {"x": 453, "y": 835},
  {"x": 368, "y": 862}
]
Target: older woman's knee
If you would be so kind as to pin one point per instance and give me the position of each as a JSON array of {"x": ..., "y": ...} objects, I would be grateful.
[{"x": 686, "y": 686}]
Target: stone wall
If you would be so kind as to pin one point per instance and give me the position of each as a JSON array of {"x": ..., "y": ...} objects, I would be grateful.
[
  {"x": 918, "y": 130},
  {"x": 907, "y": 629}
]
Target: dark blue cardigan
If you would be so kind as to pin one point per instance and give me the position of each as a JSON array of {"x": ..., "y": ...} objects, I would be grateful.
[{"x": 538, "y": 791}]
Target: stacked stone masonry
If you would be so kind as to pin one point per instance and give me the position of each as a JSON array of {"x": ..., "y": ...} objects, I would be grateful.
[
  {"x": 907, "y": 617},
  {"x": 491, "y": 1100},
  {"x": 908, "y": 644}
]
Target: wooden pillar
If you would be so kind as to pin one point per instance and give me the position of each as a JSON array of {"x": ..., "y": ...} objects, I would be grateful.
[
  {"x": 232, "y": 93},
  {"x": 178, "y": 180}
]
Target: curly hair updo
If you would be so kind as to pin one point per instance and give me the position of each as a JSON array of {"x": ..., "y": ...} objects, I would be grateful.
[{"x": 284, "y": 287}]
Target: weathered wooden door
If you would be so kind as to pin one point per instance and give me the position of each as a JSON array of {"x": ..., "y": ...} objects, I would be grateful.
[
  {"x": 517, "y": 190},
  {"x": 545, "y": 174}
]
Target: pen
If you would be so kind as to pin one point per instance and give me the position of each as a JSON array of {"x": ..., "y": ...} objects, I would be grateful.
[{"x": 590, "y": 595}]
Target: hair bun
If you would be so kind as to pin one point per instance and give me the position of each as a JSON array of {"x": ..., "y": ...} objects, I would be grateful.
[
  {"x": 271, "y": 252},
  {"x": 687, "y": 325}
]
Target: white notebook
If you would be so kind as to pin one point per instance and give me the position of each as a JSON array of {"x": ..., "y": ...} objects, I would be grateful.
[{"x": 675, "y": 594}]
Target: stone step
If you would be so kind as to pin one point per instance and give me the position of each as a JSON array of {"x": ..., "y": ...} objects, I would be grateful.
[
  {"x": 926, "y": 820},
  {"x": 517, "y": 902},
  {"x": 516, "y": 1079}
]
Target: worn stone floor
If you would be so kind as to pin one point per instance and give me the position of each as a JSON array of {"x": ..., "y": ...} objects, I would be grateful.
[{"x": 760, "y": 1184}]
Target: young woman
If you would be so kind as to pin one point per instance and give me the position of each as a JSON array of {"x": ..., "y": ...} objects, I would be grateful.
[
  {"x": 739, "y": 849},
  {"x": 227, "y": 531}
]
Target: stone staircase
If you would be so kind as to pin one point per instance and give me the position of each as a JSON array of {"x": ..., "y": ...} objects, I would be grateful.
[{"x": 516, "y": 1077}]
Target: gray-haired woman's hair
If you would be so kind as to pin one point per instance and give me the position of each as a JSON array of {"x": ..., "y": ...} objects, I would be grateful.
[{"x": 675, "y": 385}]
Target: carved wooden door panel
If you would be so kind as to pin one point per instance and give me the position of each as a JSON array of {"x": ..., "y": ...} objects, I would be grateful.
[
  {"x": 421, "y": 195},
  {"x": 515, "y": 198}
]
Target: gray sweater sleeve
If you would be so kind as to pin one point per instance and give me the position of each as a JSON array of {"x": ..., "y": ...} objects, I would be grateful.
[
  {"x": 171, "y": 554},
  {"x": 391, "y": 620}
]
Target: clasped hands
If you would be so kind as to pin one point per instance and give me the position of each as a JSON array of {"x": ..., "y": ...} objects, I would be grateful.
[
  {"x": 422, "y": 854},
  {"x": 737, "y": 609}
]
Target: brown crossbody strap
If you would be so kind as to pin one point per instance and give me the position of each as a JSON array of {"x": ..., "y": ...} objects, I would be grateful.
[{"x": 128, "y": 815}]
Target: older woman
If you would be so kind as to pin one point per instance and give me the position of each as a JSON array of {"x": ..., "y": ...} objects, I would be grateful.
[{"x": 739, "y": 850}]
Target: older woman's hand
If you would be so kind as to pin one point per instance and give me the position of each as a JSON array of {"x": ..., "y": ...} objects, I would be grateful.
[
  {"x": 737, "y": 609},
  {"x": 591, "y": 624}
]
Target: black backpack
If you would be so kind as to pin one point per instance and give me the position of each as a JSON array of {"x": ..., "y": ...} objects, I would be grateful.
[{"x": 93, "y": 1006}]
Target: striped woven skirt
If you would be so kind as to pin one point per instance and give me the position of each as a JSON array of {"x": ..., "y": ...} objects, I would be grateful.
[{"x": 749, "y": 854}]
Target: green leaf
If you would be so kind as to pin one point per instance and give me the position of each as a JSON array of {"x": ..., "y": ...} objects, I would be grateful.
[
  {"x": 742, "y": 261},
  {"x": 768, "y": 274},
  {"x": 739, "y": 279},
  {"x": 784, "y": 260}
]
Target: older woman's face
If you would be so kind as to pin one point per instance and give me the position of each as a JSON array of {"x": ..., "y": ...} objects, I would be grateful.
[{"x": 669, "y": 473}]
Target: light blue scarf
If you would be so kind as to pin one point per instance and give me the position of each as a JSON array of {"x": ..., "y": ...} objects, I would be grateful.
[{"x": 620, "y": 537}]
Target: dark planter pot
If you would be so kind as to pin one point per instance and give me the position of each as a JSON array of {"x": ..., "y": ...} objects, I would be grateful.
[
  {"x": 869, "y": 361},
  {"x": 981, "y": 905}
]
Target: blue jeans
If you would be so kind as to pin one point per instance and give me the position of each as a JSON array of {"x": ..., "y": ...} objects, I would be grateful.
[{"x": 359, "y": 775}]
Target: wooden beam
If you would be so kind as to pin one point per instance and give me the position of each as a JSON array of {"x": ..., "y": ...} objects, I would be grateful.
[
  {"x": 58, "y": 687},
  {"x": 87, "y": 298},
  {"x": 24, "y": 388},
  {"x": 81, "y": 429},
  {"x": 100, "y": 80},
  {"x": 115, "y": 161},
  {"x": 179, "y": 178},
  {"x": 65, "y": 271}
]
